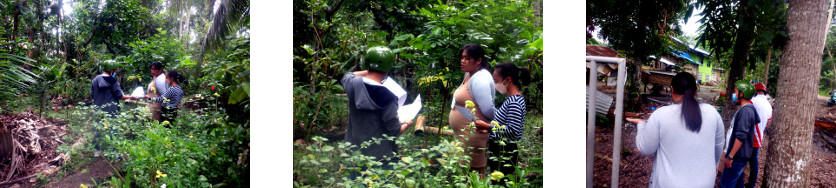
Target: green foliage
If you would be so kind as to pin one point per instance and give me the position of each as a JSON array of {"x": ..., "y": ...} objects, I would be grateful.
[
  {"x": 228, "y": 71},
  {"x": 54, "y": 55},
  {"x": 14, "y": 78},
  {"x": 328, "y": 164},
  {"x": 722, "y": 18},
  {"x": 640, "y": 28},
  {"x": 161, "y": 47},
  {"x": 201, "y": 148}
]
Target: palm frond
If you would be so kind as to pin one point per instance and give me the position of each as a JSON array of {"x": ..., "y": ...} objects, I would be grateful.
[
  {"x": 230, "y": 16},
  {"x": 14, "y": 78}
]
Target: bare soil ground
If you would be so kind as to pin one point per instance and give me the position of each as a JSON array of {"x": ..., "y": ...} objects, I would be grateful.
[
  {"x": 635, "y": 169},
  {"x": 99, "y": 169}
]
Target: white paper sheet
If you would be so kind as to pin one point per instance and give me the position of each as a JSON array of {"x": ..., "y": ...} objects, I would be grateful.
[
  {"x": 138, "y": 92},
  {"x": 396, "y": 89},
  {"x": 410, "y": 111}
]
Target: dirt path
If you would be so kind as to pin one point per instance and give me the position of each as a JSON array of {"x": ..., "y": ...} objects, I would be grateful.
[
  {"x": 635, "y": 169},
  {"x": 99, "y": 169}
]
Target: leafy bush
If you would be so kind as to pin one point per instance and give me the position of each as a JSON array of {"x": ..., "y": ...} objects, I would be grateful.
[
  {"x": 200, "y": 149},
  {"x": 325, "y": 163}
]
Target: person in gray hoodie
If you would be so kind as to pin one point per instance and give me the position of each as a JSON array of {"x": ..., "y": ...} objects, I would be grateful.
[
  {"x": 106, "y": 90},
  {"x": 106, "y": 93},
  {"x": 687, "y": 138},
  {"x": 740, "y": 147},
  {"x": 372, "y": 108}
]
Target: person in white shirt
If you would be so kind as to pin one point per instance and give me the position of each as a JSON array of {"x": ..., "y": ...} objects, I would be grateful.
[
  {"x": 156, "y": 88},
  {"x": 687, "y": 138}
]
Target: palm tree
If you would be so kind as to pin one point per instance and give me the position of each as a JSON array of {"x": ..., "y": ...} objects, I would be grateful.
[
  {"x": 230, "y": 16},
  {"x": 14, "y": 78}
]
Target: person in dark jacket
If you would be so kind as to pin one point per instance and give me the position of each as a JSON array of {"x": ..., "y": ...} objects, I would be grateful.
[
  {"x": 742, "y": 134},
  {"x": 106, "y": 93},
  {"x": 106, "y": 90},
  {"x": 372, "y": 108}
]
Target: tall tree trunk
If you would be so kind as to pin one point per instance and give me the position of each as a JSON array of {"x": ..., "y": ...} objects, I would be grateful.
[
  {"x": 832, "y": 64},
  {"x": 766, "y": 72},
  {"x": 15, "y": 19},
  {"x": 790, "y": 147},
  {"x": 180, "y": 30},
  {"x": 188, "y": 32},
  {"x": 827, "y": 31},
  {"x": 829, "y": 19},
  {"x": 740, "y": 57},
  {"x": 58, "y": 31}
]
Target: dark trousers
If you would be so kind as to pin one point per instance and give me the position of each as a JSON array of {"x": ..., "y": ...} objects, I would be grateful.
[
  {"x": 753, "y": 169},
  {"x": 168, "y": 114},
  {"x": 498, "y": 153},
  {"x": 733, "y": 177}
]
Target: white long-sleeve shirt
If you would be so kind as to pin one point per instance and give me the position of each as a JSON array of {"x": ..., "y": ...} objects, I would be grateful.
[
  {"x": 764, "y": 109},
  {"x": 159, "y": 83},
  {"x": 683, "y": 158}
]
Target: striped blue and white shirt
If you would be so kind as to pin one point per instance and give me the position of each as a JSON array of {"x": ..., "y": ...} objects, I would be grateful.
[
  {"x": 512, "y": 116},
  {"x": 171, "y": 98}
]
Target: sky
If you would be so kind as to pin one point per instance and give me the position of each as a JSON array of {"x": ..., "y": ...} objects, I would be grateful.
[{"x": 690, "y": 29}]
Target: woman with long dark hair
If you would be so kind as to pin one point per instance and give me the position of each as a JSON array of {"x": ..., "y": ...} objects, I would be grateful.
[
  {"x": 687, "y": 138},
  {"x": 478, "y": 86}
]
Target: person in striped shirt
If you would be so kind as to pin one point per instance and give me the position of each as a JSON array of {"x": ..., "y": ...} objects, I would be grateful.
[
  {"x": 172, "y": 96},
  {"x": 509, "y": 118}
]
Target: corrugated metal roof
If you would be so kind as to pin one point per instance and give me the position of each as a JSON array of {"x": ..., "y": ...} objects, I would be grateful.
[
  {"x": 663, "y": 60},
  {"x": 598, "y": 50},
  {"x": 602, "y": 102}
]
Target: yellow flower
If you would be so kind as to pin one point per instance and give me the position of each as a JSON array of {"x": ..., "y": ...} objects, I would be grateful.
[
  {"x": 82, "y": 186},
  {"x": 160, "y": 174},
  {"x": 495, "y": 124},
  {"x": 166, "y": 122},
  {"x": 469, "y": 104},
  {"x": 472, "y": 124},
  {"x": 216, "y": 95},
  {"x": 496, "y": 175}
]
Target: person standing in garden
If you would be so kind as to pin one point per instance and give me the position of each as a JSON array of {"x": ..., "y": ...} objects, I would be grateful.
[
  {"x": 764, "y": 109},
  {"x": 372, "y": 108},
  {"x": 509, "y": 118},
  {"x": 478, "y": 86},
  {"x": 106, "y": 93},
  {"x": 741, "y": 140},
  {"x": 106, "y": 90},
  {"x": 156, "y": 88},
  {"x": 687, "y": 138},
  {"x": 171, "y": 98}
]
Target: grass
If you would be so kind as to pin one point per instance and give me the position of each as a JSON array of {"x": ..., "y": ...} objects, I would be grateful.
[{"x": 824, "y": 92}]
